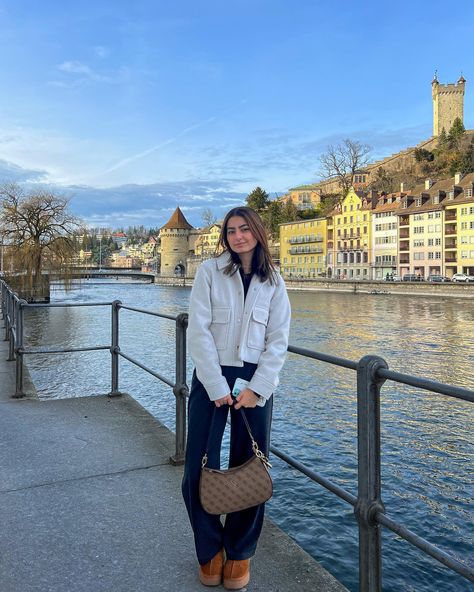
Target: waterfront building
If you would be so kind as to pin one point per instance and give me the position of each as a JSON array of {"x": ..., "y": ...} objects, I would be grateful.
[
  {"x": 123, "y": 260},
  {"x": 206, "y": 242},
  {"x": 177, "y": 240},
  {"x": 420, "y": 236},
  {"x": 352, "y": 236},
  {"x": 303, "y": 248},
  {"x": 459, "y": 226},
  {"x": 149, "y": 249},
  {"x": 384, "y": 222},
  {"x": 436, "y": 228}
]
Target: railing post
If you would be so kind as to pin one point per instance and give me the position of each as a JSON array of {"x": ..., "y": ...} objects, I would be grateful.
[
  {"x": 12, "y": 328},
  {"x": 19, "y": 349},
  {"x": 180, "y": 389},
  {"x": 115, "y": 348},
  {"x": 6, "y": 315},
  {"x": 369, "y": 499},
  {"x": 3, "y": 289}
]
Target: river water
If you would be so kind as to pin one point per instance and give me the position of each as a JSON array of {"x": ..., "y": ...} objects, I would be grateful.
[{"x": 427, "y": 439}]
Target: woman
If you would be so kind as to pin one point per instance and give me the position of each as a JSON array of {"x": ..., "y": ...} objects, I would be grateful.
[{"x": 239, "y": 317}]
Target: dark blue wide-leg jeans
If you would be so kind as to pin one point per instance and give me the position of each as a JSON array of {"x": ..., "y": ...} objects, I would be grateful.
[{"x": 241, "y": 530}]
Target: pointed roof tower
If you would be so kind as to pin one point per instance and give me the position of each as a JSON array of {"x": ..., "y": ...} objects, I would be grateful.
[{"x": 178, "y": 220}]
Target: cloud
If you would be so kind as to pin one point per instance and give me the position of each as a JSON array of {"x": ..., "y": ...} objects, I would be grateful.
[
  {"x": 167, "y": 142},
  {"x": 86, "y": 74},
  {"x": 12, "y": 173},
  {"x": 101, "y": 51},
  {"x": 153, "y": 204}
]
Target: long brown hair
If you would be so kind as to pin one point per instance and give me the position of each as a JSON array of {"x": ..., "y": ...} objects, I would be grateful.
[{"x": 262, "y": 264}]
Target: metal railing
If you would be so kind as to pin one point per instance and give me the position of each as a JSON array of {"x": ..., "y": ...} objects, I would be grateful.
[
  {"x": 13, "y": 313},
  {"x": 371, "y": 372}
]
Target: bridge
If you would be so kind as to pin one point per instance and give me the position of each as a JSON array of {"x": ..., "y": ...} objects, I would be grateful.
[{"x": 109, "y": 272}]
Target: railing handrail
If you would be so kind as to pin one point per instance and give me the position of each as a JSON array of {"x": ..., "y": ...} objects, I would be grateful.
[{"x": 372, "y": 371}]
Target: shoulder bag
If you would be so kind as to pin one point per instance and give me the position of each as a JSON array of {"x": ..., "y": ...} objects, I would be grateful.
[{"x": 238, "y": 488}]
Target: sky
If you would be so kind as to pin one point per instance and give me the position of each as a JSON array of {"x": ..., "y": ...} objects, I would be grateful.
[{"x": 132, "y": 108}]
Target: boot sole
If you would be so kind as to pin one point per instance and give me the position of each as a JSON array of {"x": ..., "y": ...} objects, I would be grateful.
[
  {"x": 210, "y": 580},
  {"x": 237, "y": 583}
]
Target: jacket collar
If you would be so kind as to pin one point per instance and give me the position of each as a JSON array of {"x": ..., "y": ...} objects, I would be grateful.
[{"x": 223, "y": 260}]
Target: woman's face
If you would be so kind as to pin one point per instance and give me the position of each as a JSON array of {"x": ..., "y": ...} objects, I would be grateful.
[{"x": 239, "y": 236}]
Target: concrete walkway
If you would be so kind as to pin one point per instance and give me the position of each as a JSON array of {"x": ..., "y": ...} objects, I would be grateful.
[{"x": 89, "y": 503}]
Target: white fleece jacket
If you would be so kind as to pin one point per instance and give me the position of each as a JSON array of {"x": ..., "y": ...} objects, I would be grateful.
[{"x": 225, "y": 331}]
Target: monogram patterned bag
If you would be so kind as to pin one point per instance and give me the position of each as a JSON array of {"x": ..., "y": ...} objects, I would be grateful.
[{"x": 238, "y": 488}]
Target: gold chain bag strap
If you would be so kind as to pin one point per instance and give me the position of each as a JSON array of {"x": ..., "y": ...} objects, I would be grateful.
[{"x": 238, "y": 488}]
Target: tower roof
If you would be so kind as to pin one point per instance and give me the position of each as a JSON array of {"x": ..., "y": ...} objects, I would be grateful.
[{"x": 177, "y": 220}]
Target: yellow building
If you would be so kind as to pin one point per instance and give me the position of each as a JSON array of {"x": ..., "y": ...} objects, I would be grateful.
[
  {"x": 303, "y": 248},
  {"x": 459, "y": 226},
  {"x": 207, "y": 240},
  {"x": 352, "y": 236},
  {"x": 305, "y": 197}
]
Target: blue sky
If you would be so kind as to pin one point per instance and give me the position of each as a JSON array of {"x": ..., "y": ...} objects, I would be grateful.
[{"x": 131, "y": 108}]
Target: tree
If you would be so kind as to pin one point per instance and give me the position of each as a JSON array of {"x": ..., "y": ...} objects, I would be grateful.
[
  {"x": 41, "y": 233},
  {"x": 258, "y": 199},
  {"x": 456, "y": 134},
  {"x": 421, "y": 154},
  {"x": 289, "y": 212},
  {"x": 382, "y": 181},
  {"x": 442, "y": 140},
  {"x": 342, "y": 161},
  {"x": 273, "y": 217},
  {"x": 467, "y": 160},
  {"x": 208, "y": 217}
]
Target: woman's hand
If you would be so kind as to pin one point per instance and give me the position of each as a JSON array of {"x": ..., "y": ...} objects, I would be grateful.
[
  {"x": 227, "y": 400},
  {"x": 246, "y": 398}
]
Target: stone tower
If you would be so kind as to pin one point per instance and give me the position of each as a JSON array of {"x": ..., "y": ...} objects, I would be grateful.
[
  {"x": 174, "y": 237},
  {"x": 448, "y": 103}
]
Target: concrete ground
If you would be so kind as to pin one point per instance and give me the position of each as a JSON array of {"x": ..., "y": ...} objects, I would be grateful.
[{"x": 90, "y": 503}]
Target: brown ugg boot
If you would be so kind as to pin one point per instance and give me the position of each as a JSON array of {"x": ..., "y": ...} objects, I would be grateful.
[
  {"x": 236, "y": 574},
  {"x": 210, "y": 574}
]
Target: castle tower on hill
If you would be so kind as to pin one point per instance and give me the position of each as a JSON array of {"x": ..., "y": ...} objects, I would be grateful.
[
  {"x": 448, "y": 103},
  {"x": 174, "y": 237}
]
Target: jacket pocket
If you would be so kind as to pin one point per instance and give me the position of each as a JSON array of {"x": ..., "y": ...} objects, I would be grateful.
[
  {"x": 220, "y": 326},
  {"x": 257, "y": 328}
]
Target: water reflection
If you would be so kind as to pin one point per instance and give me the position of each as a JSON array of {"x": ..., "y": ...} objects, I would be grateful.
[{"x": 427, "y": 438}]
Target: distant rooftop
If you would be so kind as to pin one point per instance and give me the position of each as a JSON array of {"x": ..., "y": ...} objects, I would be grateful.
[{"x": 177, "y": 220}]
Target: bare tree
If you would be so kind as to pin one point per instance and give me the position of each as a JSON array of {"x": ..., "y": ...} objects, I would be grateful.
[
  {"x": 342, "y": 161},
  {"x": 208, "y": 217},
  {"x": 39, "y": 231}
]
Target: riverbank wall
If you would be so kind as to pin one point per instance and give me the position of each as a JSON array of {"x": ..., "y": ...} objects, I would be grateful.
[{"x": 442, "y": 290}]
